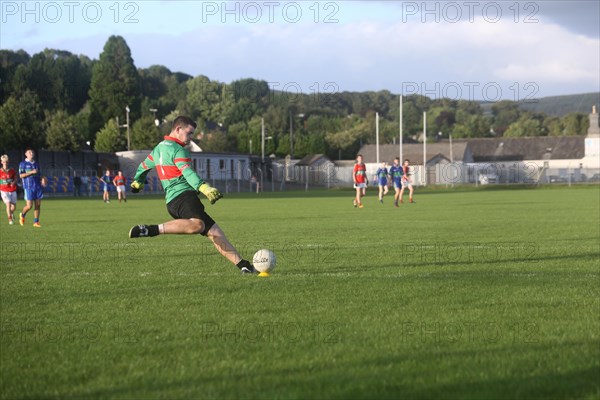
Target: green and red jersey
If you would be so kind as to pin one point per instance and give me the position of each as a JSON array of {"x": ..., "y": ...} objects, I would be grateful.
[
  {"x": 360, "y": 173},
  {"x": 174, "y": 167},
  {"x": 119, "y": 180},
  {"x": 8, "y": 180}
]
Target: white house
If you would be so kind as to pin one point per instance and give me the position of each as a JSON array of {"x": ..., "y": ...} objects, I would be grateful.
[{"x": 227, "y": 171}]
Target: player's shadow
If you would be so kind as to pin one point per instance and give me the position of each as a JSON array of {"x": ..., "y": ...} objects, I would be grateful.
[
  {"x": 533, "y": 261},
  {"x": 400, "y": 383}
]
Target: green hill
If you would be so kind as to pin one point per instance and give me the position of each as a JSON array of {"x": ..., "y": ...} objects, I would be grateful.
[{"x": 561, "y": 105}]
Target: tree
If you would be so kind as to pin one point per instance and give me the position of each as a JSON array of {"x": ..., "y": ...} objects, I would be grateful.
[
  {"x": 9, "y": 62},
  {"x": 81, "y": 121},
  {"x": 62, "y": 133},
  {"x": 505, "y": 113},
  {"x": 144, "y": 134},
  {"x": 470, "y": 107},
  {"x": 553, "y": 126},
  {"x": 204, "y": 100},
  {"x": 348, "y": 139},
  {"x": 176, "y": 91},
  {"x": 575, "y": 124},
  {"x": 152, "y": 81},
  {"x": 241, "y": 111},
  {"x": 470, "y": 125},
  {"x": 22, "y": 122},
  {"x": 246, "y": 132},
  {"x": 60, "y": 79},
  {"x": 388, "y": 131},
  {"x": 36, "y": 76},
  {"x": 440, "y": 119},
  {"x": 109, "y": 139},
  {"x": 412, "y": 118},
  {"x": 218, "y": 142},
  {"x": 76, "y": 76},
  {"x": 525, "y": 126},
  {"x": 115, "y": 85}
]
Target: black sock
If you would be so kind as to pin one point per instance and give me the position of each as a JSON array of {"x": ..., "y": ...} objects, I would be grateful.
[
  {"x": 153, "y": 230},
  {"x": 244, "y": 263}
]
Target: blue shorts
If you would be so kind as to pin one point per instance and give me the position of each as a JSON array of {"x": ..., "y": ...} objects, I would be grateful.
[
  {"x": 397, "y": 184},
  {"x": 382, "y": 182},
  {"x": 34, "y": 194},
  {"x": 106, "y": 188}
]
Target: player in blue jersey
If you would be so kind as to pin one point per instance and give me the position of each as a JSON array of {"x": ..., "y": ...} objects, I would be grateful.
[
  {"x": 381, "y": 177},
  {"x": 396, "y": 173},
  {"x": 106, "y": 180},
  {"x": 29, "y": 172}
]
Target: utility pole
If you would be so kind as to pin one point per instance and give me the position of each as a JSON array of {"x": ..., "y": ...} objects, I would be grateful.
[
  {"x": 291, "y": 137},
  {"x": 128, "y": 137}
]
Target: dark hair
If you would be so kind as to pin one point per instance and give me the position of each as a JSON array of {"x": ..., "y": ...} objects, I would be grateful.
[
  {"x": 407, "y": 160},
  {"x": 359, "y": 155},
  {"x": 397, "y": 158},
  {"x": 183, "y": 121}
]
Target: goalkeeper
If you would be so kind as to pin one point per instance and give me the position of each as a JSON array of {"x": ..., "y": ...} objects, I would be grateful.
[{"x": 182, "y": 186}]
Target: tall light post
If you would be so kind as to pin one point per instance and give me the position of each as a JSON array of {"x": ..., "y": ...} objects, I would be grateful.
[
  {"x": 291, "y": 137},
  {"x": 424, "y": 148},
  {"x": 127, "y": 124},
  {"x": 292, "y": 133},
  {"x": 401, "y": 124},
  {"x": 263, "y": 138},
  {"x": 153, "y": 111},
  {"x": 377, "y": 136},
  {"x": 263, "y": 146},
  {"x": 262, "y": 150}
]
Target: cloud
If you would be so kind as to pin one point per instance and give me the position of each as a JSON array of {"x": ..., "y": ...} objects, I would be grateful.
[
  {"x": 371, "y": 55},
  {"x": 377, "y": 50},
  {"x": 579, "y": 16}
]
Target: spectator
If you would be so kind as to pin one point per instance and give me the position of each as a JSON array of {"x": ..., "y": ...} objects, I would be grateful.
[
  {"x": 85, "y": 185},
  {"x": 254, "y": 182},
  {"x": 76, "y": 184}
]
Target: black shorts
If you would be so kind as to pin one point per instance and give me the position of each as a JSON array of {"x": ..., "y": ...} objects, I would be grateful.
[{"x": 187, "y": 205}]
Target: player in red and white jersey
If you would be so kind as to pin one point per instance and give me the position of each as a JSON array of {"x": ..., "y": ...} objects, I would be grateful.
[
  {"x": 359, "y": 175},
  {"x": 406, "y": 181},
  {"x": 8, "y": 188},
  {"x": 120, "y": 181}
]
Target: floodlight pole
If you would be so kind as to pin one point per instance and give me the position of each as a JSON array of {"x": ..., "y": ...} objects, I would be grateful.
[
  {"x": 424, "y": 148},
  {"x": 401, "y": 129},
  {"x": 128, "y": 137},
  {"x": 451, "y": 158},
  {"x": 377, "y": 136},
  {"x": 262, "y": 141},
  {"x": 291, "y": 136},
  {"x": 153, "y": 111}
]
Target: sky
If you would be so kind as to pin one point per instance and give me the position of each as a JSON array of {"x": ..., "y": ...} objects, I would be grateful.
[{"x": 470, "y": 50}]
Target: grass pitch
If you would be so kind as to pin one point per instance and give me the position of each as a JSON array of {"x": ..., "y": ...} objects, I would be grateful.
[{"x": 482, "y": 294}]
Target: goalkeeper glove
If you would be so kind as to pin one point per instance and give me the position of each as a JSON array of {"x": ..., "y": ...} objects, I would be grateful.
[
  {"x": 211, "y": 193},
  {"x": 136, "y": 186}
]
